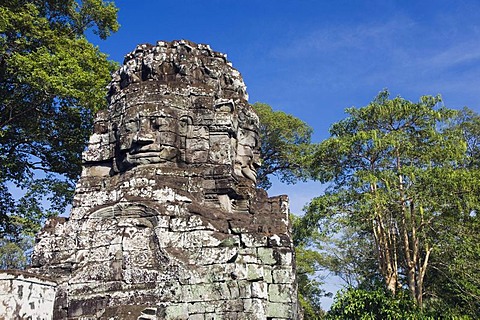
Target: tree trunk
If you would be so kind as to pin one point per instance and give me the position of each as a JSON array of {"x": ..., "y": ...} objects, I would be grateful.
[
  {"x": 386, "y": 247},
  {"x": 386, "y": 255}
]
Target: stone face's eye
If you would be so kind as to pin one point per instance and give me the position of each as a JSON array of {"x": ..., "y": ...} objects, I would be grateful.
[
  {"x": 131, "y": 126},
  {"x": 154, "y": 124}
]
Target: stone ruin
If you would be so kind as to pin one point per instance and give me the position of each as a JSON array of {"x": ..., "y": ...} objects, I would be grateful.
[{"x": 167, "y": 222}]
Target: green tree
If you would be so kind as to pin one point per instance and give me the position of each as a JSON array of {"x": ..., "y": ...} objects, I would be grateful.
[
  {"x": 396, "y": 171},
  {"x": 285, "y": 146},
  {"x": 309, "y": 263},
  {"x": 361, "y": 304},
  {"x": 453, "y": 283},
  {"x": 13, "y": 254},
  {"x": 51, "y": 82}
]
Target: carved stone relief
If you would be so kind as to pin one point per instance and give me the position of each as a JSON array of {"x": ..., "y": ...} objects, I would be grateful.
[{"x": 167, "y": 222}]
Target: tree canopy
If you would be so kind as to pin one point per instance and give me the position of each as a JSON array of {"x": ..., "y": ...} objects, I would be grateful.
[
  {"x": 400, "y": 180},
  {"x": 285, "y": 146},
  {"x": 373, "y": 304},
  {"x": 285, "y": 151},
  {"x": 52, "y": 80}
]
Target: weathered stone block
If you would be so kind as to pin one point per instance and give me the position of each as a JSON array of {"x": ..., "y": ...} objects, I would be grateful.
[
  {"x": 259, "y": 290},
  {"x": 189, "y": 223},
  {"x": 206, "y": 292},
  {"x": 279, "y": 293},
  {"x": 245, "y": 289},
  {"x": 197, "y": 316},
  {"x": 248, "y": 255},
  {"x": 234, "y": 290},
  {"x": 226, "y": 306},
  {"x": 267, "y": 274},
  {"x": 285, "y": 257},
  {"x": 254, "y": 240},
  {"x": 279, "y": 310},
  {"x": 176, "y": 312},
  {"x": 240, "y": 271},
  {"x": 256, "y": 307},
  {"x": 254, "y": 272},
  {"x": 267, "y": 256},
  {"x": 25, "y": 296},
  {"x": 199, "y": 307},
  {"x": 283, "y": 276},
  {"x": 210, "y": 256}
]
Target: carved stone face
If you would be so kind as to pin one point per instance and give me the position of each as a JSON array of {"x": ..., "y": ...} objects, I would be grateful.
[
  {"x": 149, "y": 133},
  {"x": 248, "y": 156},
  {"x": 176, "y": 105},
  {"x": 146, "y": 136}
]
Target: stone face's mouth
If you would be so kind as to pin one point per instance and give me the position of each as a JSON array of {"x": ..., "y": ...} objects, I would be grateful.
[
  {"x": 145, "y": 149},
  {"x": 164, "y": 153},
  {"x": 143, "y": 154}
]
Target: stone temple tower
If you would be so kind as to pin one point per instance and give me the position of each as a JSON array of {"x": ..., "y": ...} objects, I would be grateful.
[{"x": 167, "y": 222}]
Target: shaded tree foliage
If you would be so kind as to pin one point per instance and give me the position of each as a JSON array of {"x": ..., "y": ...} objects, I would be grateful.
[
  {"x": 309, "y": 262},
  {"x": 284, "y": 150},
  {"x": 285, "y": 146},
  {"x": 310, "y": 291},
  {"x": 51, "y": 82},
  {"x": 14, "y": 255},
  {"x": 375, "y": 304},
  {"x": 453, "y": 283}
]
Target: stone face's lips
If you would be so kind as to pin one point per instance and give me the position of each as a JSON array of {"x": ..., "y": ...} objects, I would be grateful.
[
  {"x": 150, "y": 150},
  {"x": 146, "y": 154},
  {"x": 164, "y": 154}
]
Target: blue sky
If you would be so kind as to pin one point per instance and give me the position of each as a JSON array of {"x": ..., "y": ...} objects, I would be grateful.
[{"x": 313, "y": 59}]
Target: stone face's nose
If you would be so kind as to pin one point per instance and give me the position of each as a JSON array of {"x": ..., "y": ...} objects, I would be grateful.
[
  {"x": 256, "y": 161},
  {"x": 145, "y": 134}
]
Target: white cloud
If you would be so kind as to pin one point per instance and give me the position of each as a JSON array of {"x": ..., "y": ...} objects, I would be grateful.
[
  {"x": 452, "y": 55},
  {"x": 342, "y": 38},
  {"x": 400, "y": 53}
]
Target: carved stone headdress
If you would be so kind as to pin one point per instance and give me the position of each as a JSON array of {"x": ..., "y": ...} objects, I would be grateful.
[{"x": 176, "y": 104}]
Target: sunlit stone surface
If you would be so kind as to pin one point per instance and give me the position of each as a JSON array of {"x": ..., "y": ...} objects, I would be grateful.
[{"x": 166, "y": 221}]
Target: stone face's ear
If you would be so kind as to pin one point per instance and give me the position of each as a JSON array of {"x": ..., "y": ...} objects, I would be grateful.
[{"x": 185, "y": 125}]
